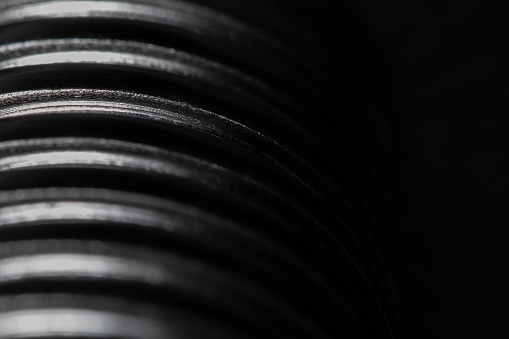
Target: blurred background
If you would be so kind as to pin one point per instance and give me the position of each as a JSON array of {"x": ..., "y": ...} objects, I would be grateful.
[{"x": 447, "y": 81}]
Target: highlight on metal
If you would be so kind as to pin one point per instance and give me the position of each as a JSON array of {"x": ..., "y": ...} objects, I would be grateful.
[{"x": 185, "y": 169}]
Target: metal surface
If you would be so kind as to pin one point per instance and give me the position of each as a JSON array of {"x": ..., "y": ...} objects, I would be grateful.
[{"x": 174, "y": 157}]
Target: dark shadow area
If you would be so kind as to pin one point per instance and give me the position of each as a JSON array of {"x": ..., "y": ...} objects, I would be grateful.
[{"x": 451, "y": 93}]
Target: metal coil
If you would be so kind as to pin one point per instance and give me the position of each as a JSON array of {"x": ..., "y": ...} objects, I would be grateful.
[{"x": 183, "y": 169}]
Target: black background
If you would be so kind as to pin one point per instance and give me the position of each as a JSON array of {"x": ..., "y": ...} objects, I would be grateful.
[{"x": 448, "y": 82}]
